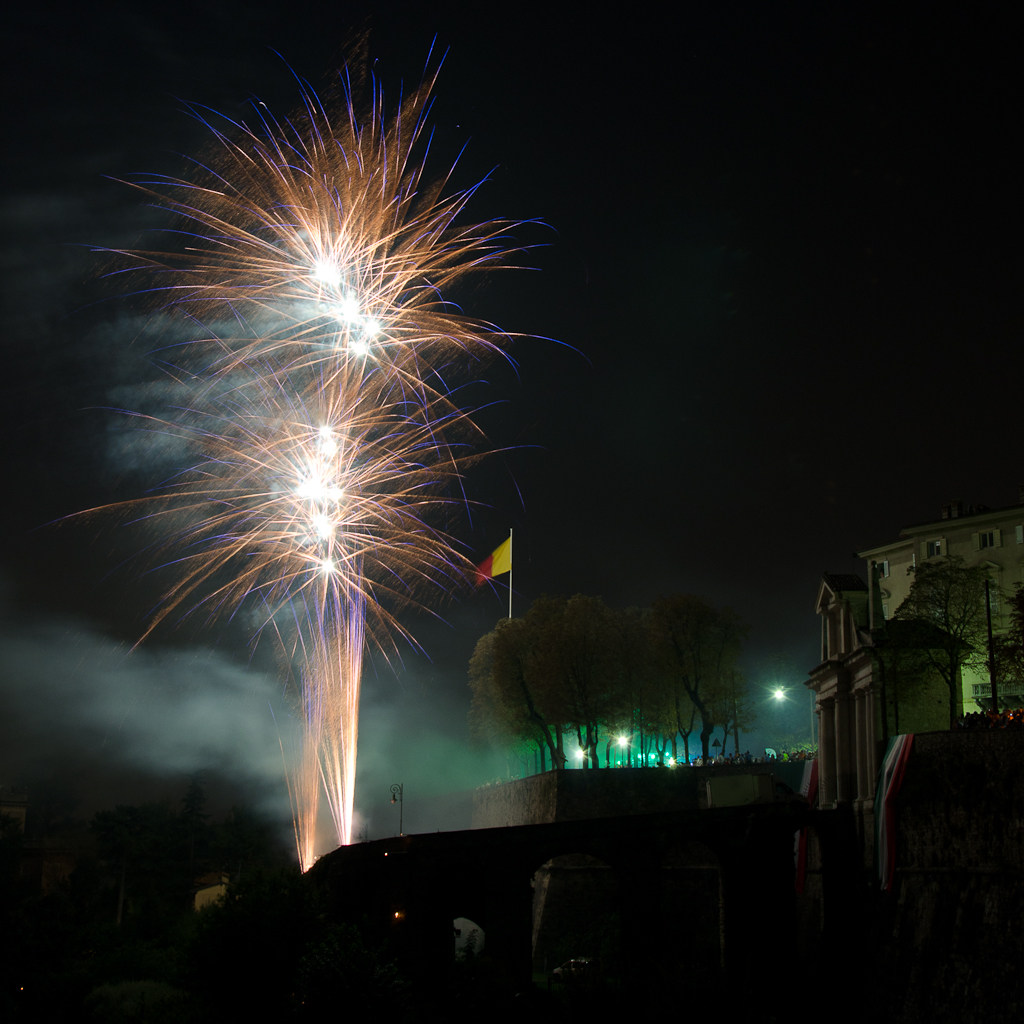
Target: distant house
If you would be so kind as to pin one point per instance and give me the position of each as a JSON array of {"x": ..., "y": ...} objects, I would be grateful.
[
  {"x": 209, "y": 888},
  {"x": 993, "y": 538},
  {"x": 14, "y": 805},
  {"x": 44, "y": 864}
]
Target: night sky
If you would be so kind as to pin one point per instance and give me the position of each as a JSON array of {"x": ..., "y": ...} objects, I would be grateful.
[{"x": 777, "y": 259}]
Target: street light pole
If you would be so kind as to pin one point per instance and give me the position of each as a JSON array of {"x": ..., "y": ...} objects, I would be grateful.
[
  {"x": 813, "y": 706},
  {"x": 991, "y": 655},
  {"x": 397, "y": 793}
]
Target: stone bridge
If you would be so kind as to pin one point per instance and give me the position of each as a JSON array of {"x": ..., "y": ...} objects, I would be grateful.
[{"x": 409, "y": 889}]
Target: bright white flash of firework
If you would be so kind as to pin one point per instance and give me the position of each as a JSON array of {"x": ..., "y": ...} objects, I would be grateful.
[{"x": 327, "y": 445}]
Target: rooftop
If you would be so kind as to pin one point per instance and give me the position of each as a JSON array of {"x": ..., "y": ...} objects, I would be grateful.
[
  {"x": 840, "y": 581},
  {"x": 955, "y": 510}
]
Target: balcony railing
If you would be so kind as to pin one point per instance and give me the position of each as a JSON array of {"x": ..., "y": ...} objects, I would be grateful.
[{"x": 985, "y": 689}]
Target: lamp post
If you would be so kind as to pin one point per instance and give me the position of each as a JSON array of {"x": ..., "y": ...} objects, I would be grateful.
[
  {"x": 991, "y": 656},
  {"x": 397, "y": 792},
  {"x": 779, "y": 695},
  {"x": 813, "y": 708}
]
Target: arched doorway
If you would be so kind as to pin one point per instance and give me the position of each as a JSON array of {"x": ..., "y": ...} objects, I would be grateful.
[
  {"x": 469, "y": 938},
  {"x": 575, "y": 916},
  {"x": 690, "y": 945}
]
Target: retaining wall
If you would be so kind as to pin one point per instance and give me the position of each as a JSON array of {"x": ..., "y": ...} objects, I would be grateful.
[{"x": 579, "y": 794}]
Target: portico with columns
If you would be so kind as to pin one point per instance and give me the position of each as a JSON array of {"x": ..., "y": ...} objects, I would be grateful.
[{"x": 847, "y": 705}]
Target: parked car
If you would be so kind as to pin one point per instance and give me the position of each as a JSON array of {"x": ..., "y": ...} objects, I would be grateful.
[{"x": 577, "y": 969}]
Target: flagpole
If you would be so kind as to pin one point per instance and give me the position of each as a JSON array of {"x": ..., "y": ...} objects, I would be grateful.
[{"x": 510, "y": 572}]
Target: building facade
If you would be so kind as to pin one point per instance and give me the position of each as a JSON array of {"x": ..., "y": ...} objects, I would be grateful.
[
  {"x": 991, "y": 538},
  {"x": 853, "y": 725}
]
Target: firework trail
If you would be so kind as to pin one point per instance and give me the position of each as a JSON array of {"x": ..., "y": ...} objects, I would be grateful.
[{"x": 326, "y": 442}]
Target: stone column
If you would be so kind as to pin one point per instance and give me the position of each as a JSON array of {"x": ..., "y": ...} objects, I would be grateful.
[
  {"x": 827, "y": 752},
  {"x": 508, "y": 931},
  {"x": 638, "y": 881},
  {"x": 872, "y": 760},
  {"x": 867, "y": 807},
  {"x": 861, "y": 744},
  {"x": 844, "y": 773}
]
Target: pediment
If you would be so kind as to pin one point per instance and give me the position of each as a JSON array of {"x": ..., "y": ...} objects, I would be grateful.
[{"x": 835, "y": 585}]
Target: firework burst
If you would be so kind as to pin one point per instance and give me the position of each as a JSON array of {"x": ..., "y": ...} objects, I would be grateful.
[{"x": 327, "y": 445}]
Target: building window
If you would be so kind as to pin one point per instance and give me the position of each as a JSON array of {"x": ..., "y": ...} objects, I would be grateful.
[
  {"x": 1020, "y": 534},
  {"x": 885, "y": 610},
  {"x": 934, "y": 548},
  {"x": 987, "y": 539},
  {"x": 885, "y": 568}
]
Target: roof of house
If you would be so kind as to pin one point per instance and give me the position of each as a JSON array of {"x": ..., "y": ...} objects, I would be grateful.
[{"x": 840, "y": 581}]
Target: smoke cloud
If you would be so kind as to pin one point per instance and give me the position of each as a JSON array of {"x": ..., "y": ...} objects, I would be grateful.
[
  {"x": 115, "y": 721},
  {"x": 108, "y": 724}
]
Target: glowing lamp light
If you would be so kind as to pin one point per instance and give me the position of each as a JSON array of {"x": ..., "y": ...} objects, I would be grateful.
[
  {"x": 779, "y": 694},
  {"x": 327, "y": 273},
  {"x": 623, "y": 741},
  {"x": 579, "y": 755}
]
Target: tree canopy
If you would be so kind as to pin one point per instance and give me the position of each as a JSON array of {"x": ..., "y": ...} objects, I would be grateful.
[
  {"x": 943, "y": 617},
  {"x": 1009, "y": 648},
  {"x": 635, "y": 678}
]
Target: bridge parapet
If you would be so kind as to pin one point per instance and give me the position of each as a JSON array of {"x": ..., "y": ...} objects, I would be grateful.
[{"x": 578, "y": 794}]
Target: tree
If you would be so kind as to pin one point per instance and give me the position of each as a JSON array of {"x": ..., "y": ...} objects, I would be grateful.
[
  {"x": 902, "y": 647},
  {"x": 733, "y": 708},
  {"x": 1009, "y": 648},
  {"x": 193, "y": 816},
  {"x": 141, "y": 846},
  {"x": 947, "y": 597},
  {"x": 512, "y": 697},
  {"x": 644, "y": 693},
  {"x": 577, "y": 666},
  {"x": 586, "y": 663},
  {"x": 700, "y": 644}
]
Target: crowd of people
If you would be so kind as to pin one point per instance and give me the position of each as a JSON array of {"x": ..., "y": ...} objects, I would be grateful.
[
  {"x": 1009, "y": 718},
  {"x": 770, "y": 757}
]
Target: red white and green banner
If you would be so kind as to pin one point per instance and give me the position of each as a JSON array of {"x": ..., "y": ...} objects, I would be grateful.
[
  {"x": 809, "y": 791},
  {"x": 890, "y": 778}
]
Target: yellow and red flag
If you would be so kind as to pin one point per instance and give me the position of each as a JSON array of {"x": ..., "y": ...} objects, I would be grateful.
[{"x": 497, "y": 562}]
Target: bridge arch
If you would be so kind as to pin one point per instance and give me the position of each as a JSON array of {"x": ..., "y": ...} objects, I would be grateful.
[{"x": 575, "y": 912}]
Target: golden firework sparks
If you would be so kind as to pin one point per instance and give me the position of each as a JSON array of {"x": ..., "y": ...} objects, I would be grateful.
[{"x": 325, "y": 441}]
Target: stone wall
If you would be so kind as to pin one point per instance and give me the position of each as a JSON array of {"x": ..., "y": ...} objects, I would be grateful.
[
  {"x": 580, "y": 794},
  {"x": 923, "y": 706},
  {"x": 948, "y": 938}
]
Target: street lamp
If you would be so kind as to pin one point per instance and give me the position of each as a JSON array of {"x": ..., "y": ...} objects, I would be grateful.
[
  {"x": 397, "y": 791},
  {"x": 813, "y": 708},
  {"x": 779, "y": 694}
]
